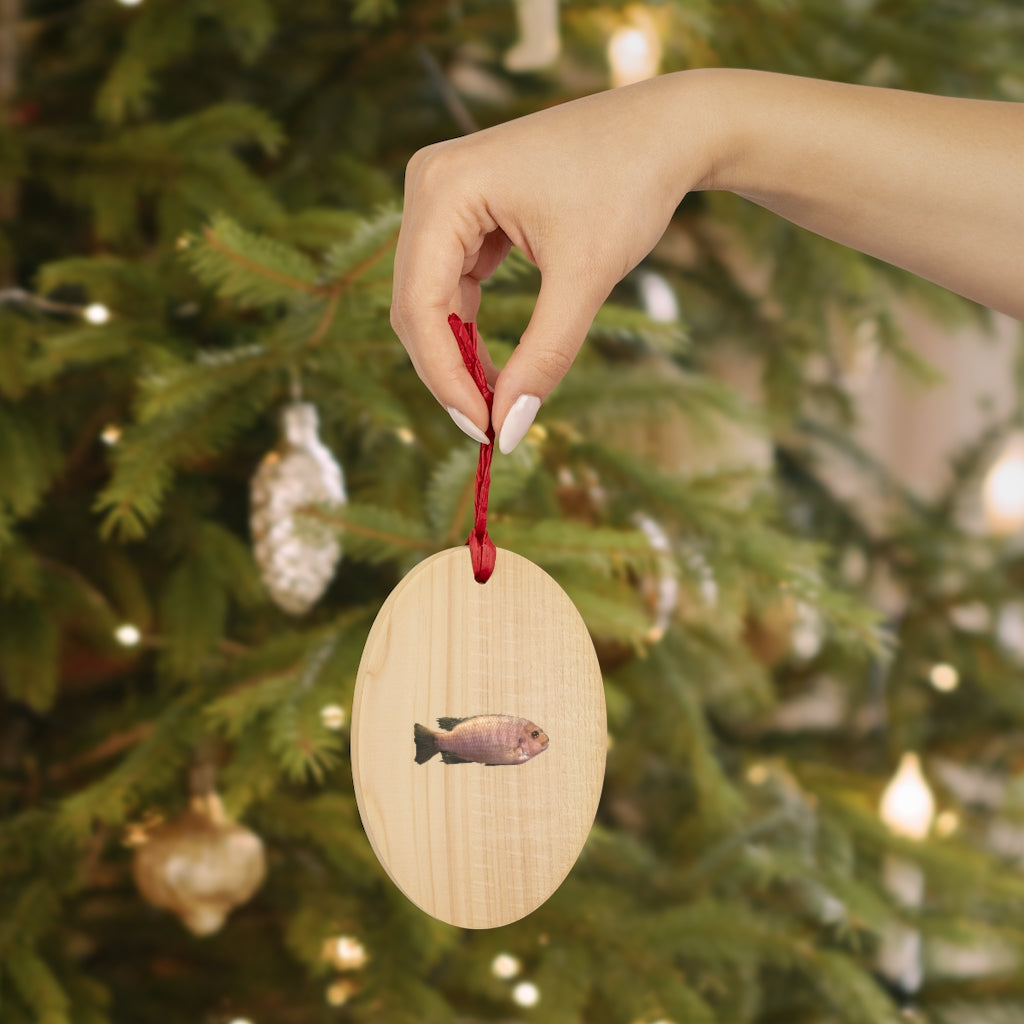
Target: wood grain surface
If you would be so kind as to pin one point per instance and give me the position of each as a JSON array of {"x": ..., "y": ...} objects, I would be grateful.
[{"x": 476, "y": 845}]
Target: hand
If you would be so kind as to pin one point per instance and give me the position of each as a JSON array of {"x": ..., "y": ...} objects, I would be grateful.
[
  {"x": 584, "y": 189},
  {"x": 929, "y": 183}
]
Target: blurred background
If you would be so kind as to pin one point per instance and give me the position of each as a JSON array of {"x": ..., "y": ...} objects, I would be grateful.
[{"x": 784, "y": 485}]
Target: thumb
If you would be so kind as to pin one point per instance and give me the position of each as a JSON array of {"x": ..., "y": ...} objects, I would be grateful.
[{"x": 561, "y": 318}]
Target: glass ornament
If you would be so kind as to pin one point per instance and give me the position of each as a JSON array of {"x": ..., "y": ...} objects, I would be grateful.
[
  {"x": 200, "y": 866},
  {"x": 297, "y": 556}
]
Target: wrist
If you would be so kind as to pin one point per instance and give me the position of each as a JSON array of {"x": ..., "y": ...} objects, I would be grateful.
[{"x": 723, "y": 100}]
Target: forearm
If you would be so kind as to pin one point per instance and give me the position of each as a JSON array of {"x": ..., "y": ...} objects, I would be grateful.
[{"x": 932, "y": 184}]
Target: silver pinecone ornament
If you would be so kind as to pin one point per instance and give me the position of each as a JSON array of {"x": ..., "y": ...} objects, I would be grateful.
[{"x": 296, "y": 555}]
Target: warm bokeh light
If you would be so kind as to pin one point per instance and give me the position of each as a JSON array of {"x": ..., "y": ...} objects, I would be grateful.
[
  {"x": 634, "y": 54},
  {"x": 127, "y": 635},
  {"x": 526, "y": 994},
  {"x": 96, "y": 313},
  {"x": 658, "y": 298},
  {"x": 944, "y": 677},
  {"x": 505, "y": 965},
  {"x": 333, "y": 717},
  {"x": 1003, "y": 491},
  {"x": 907, "y": 805},
  {"x": 337, "y": 994},
  {"x": 347, "y": 953}
]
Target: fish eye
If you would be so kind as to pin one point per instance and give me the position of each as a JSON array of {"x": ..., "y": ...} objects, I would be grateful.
[{"x": 535, "y": 733}]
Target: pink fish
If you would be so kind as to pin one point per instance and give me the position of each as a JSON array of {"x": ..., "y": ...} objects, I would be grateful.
[{"x": 483, "y": 739}]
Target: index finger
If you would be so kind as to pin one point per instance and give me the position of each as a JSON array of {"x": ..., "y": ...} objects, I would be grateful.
[{"x": 429, "y": 283}]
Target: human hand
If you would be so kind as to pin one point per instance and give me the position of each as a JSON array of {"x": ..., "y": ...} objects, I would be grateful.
[{"x": 584, "y": 189}]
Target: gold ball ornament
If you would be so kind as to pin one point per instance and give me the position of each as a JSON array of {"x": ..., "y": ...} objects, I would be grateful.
[
  {"x": 296, "y": 555},
  {"x": 200, "y": 866}
]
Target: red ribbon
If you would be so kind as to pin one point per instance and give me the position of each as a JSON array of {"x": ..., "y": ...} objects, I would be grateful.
[{"x": 481, "y": 546}]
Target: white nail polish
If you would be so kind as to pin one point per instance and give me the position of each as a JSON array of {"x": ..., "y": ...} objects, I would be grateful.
[
  {"x": 518, "y": 421},
  {"x": 467, "y": 426}
]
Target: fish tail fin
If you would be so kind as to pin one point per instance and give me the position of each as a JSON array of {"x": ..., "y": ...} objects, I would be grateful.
[{"x": 426, "y": 743}]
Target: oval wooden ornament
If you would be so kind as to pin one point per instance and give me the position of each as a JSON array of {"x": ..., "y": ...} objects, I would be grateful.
[{"x": 474, "y": 844}]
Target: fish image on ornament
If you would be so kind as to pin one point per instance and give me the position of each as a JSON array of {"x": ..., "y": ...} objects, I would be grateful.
[{"x": 480, "y": 739}]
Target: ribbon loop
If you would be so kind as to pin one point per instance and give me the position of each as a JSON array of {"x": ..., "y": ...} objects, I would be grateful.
[{"x": 481, "y": 546}]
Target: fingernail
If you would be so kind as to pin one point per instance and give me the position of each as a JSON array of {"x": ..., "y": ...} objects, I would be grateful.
[
  {"x": 467, "y": 426},
  {"x": 517, "y": 422}
]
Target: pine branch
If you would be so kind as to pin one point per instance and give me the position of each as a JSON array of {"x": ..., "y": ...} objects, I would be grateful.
[
  {"x": 193, "y": 614},
  {"x": 38, "y": 987},
  {"x": 148, "y": 768},
  {"x": 29, "y": 457},
  {"x": 449, "y": 504},
  {"x": 374, "y": 534},
  {"x": 29, "y": 646},
  {"x": 572, "y": 546},
  {"x": 148, "y": 453},
  {"x": 354, "y": 258},
  {"x": 255, "y": 271}
]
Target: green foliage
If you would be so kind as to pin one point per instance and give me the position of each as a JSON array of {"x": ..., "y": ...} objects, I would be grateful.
[
  {"x": 28, "y": 654},
  {"x": 161, "y": 34},
  {"x": 224, "y": 176},
  {"x": 247, "y": 268}
]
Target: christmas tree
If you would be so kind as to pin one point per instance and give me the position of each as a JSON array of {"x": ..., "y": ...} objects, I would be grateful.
[{"x": 216, "y": 462}]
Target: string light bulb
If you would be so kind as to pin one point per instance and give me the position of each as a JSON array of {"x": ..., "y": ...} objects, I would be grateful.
[
  {"x": 1003, "y": 490},
  {"x": 338, "y": 993},
  {"x": 526, "y": 994},
  {"x": 127, "y": 635},
  {"x": 944, "y": 678},
  {"x": 634, "y": 49},
  {"x": 505, "y": 966},
  {"x": 658, "y": 299},
  {"x": 347, "y": 953},
  {"x": 333, "y": 717},
  {"x": 96, "y": 313},
  {"x": 908, "y": 805}
]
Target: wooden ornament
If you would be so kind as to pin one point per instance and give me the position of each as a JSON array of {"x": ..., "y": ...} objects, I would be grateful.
[{"x": 473, "y": 837}]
